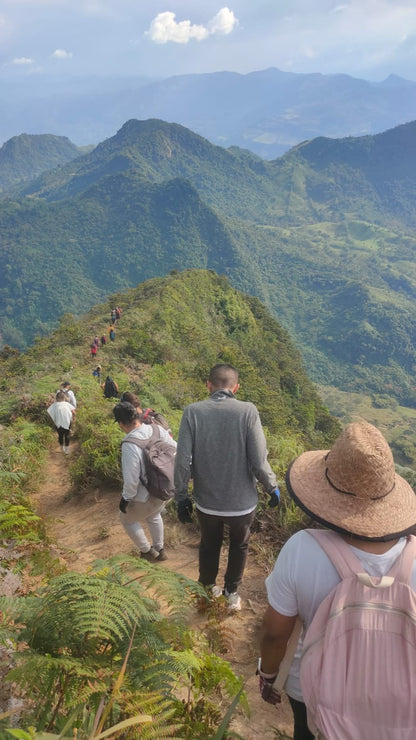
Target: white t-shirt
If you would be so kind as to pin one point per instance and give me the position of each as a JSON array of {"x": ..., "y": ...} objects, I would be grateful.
[{"x": 303, "y": 576}]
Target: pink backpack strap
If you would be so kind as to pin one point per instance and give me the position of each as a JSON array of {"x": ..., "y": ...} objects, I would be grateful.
[
  {"x": 339, "y": 553},
  {"x": 402, "y": 569}
]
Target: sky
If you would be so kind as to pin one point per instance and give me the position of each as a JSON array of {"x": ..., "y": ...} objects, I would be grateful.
[{"x": 370, "y": 39}]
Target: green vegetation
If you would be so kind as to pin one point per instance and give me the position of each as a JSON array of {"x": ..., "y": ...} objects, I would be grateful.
[
  {"x": 116, "y": 641},
  {"x": 102, "y": 652},
  {"x": 324, "y": 236},
  {"x": 27, "y": 156},
  {"x": 397, "y": 423}
]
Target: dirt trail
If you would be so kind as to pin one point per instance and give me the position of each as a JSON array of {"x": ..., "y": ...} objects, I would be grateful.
[{"x": 86, "y": 527}]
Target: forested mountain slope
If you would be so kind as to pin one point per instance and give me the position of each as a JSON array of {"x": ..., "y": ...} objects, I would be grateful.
[
  {"x": 27, "y": 156},
  {"x": 324, "y": 236}
]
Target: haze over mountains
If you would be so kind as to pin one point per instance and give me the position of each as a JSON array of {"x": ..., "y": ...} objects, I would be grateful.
[
  {"x": 267, "y": 111},
  {"x": 324, "y": 236}
]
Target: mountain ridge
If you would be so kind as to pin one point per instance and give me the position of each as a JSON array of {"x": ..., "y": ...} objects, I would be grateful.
[
  {"x": 328, "y": 247},
  {"x": 266, "y": 111},
  {"x": 24, "y": 157}
]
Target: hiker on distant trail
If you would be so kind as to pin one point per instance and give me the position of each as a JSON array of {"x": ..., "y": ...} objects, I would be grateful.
[
  {"x": 112, "y": 333},
  {"x": 367, "y": 691},
  {"x": 113, "y": 316},
  {"x": 96, "y": 341},
  {"x": 110, "y": 387},
  {"x": 148, "y": 415},
  {"x": 103, "y": 340},
  {"x": 69, "y": 393},
  {"x": 96, "y": 373},
  {"x": 93, "y": 349},
  {"x": 137, "y": 506},
  {"x": 118, "y": 313},
  {"x": 62, "y": 414},
  {"x": 221, "y": 445}
]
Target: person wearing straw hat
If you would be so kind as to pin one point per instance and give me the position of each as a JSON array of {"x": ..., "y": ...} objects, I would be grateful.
[{"x": 354, "y": 491}]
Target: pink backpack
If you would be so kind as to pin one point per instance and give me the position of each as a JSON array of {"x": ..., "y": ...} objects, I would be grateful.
[{"x": 358, "y": 667}]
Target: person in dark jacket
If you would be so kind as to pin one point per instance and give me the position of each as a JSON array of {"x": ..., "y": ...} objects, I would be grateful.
[{"x": 110, "y": 387}]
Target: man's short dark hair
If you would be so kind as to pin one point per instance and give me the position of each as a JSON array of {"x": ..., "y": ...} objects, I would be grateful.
[
  {"x": 223, "y": 376},
  {"x": 125, "y": 412},
  {"x": 66, "y": 384}
]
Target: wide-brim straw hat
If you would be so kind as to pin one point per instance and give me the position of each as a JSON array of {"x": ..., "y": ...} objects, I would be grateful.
[{"x": 354, "y": 488}]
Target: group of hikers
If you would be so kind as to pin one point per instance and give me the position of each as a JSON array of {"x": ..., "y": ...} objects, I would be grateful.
[
  {"x": 102, "y": 341},
  {"x": 339, "y": 631},
  {"x": 353, "y": 572}
]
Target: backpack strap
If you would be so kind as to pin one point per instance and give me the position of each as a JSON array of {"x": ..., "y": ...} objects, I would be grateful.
[
  {"x": 339, "y": 553},
  {"x": 347, "y": 564},
  {"x": 402, "y": 568},
  {"x": 143, "y": 443}
]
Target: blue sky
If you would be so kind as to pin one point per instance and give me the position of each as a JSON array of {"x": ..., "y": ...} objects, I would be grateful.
[{"x": 364, "y": 38}]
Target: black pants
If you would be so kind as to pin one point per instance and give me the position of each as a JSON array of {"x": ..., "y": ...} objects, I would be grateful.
[
  {"x": 301, "y": 730},
  {"x": 63, "y": 436},
  {"x": 212, "y": 535}
]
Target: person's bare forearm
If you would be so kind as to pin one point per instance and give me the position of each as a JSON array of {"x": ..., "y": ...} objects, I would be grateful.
[
  {"x": 272, "y": 651},
  {"x": 275, "y": 633}
]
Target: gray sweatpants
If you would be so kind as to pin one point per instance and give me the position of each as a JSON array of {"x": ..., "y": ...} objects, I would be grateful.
[{"x": 150, "y": 513}]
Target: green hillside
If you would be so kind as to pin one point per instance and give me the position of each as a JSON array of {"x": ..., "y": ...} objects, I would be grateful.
[
  {"x": 172, "y": 331},
  {"x": 123, "y": 634},
  {"x": 27, "y": 156},
  {"x": 323, "y": 236}
]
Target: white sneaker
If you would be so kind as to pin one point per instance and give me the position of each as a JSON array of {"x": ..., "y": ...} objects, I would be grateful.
[
  {"x": 216, "y": 592},
  {"x": 234, "y": 602},
  {"x": 66, "y": 450}
]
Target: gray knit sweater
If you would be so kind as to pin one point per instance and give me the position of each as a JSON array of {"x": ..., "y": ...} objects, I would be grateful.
[{"x": 221, "y": 445}]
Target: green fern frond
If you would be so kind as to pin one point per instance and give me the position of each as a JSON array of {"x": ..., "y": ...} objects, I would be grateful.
[
  {"x": 17, "y": 521},
  {"x": 78, "y": 610},
  {"x": 163, "y": 712},
  {"x": 175, "y": 667}
]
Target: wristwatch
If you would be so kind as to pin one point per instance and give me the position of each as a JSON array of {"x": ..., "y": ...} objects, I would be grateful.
[{"x": 267, "y": 676}]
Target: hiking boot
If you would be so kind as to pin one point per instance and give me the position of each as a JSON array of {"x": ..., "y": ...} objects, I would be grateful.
[
  {"x": 151, "y": 555},
  {"x": 162, "y": 555},
  {"x": 234, "y": 601},
  {"x": 216, "y": 592},
  {"x": 66, "y": 450}
]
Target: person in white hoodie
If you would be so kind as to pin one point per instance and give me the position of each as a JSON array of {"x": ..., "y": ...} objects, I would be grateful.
[
  {"x": 62, "y": 414},
  {"x": 136, "y": 504}
]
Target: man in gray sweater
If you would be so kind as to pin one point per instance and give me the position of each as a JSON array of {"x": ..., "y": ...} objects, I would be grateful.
[{"x": 221, "y": 446}]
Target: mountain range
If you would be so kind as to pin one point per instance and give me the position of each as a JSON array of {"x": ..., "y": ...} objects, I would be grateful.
[
  {"x": 323, "y": 235},
  {"x": 266, "y": 111}
]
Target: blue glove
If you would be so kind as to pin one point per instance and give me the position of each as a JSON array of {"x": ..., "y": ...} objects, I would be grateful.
[
  {"x": 274, "y": 498},
  {"x": 184, "y": 509}
]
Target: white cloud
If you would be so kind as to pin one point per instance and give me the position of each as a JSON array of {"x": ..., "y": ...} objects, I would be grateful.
[
  {"x": 22, "y": 60},
  {"x": 62, "y": 54},
  {"x": 164, "y": 27},
  {"x": 223, "y": 23}
]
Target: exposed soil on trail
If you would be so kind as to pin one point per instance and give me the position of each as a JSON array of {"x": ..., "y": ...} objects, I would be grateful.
[{"x": 85, "y": 527}]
